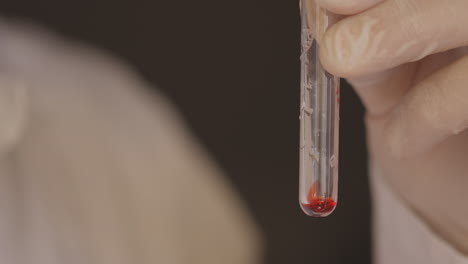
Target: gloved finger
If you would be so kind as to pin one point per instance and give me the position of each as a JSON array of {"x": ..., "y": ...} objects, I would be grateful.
[
  {"x": 382, "y": 91},
  {"x": 393, "y": 33},
  {"x": 432, "y": 111},
  {"x": 347, "y": 7}
]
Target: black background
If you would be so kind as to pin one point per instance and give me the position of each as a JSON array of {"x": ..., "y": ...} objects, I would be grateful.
[{"x": 232, "y": 68}]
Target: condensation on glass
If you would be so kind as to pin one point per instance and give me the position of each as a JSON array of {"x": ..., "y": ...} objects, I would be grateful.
[{"x": 319, "y": 115}]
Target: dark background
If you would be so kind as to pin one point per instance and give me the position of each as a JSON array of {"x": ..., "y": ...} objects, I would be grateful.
[{"x": 232, "y": 67}]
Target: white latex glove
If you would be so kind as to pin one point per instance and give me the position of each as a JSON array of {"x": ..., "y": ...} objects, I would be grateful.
[{"x": 406, "y": 59}]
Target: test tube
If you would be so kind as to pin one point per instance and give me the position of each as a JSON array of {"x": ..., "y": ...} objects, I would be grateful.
[{"x": 319, "y": 118}]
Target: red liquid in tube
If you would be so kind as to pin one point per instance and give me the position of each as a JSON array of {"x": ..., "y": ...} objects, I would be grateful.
[{"x": 316, "y": 205}]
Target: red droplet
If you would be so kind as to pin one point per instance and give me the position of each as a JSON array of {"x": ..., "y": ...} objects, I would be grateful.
[
  {"x": 317, "y": 205},
  {"x": 320, "y": 206}
]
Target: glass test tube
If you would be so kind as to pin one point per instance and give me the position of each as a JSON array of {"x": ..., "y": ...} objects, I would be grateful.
[{"x": 320, "y": 93}]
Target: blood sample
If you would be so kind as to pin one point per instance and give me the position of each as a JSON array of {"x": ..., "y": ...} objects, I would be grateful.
[
  {"x": 320, "y": 93},
  {"x": 316, "y": 204}
]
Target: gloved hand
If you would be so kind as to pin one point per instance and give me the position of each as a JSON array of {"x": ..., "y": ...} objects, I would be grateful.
[{"x": 406, "y": 60}]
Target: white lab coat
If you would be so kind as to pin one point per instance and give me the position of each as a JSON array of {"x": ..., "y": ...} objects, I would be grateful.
[
  {"x": 97, "y": 168},
  {"x": 400, "y": 235}
]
